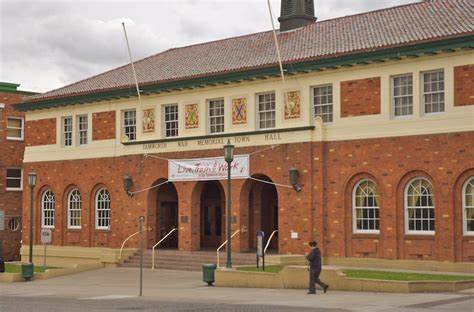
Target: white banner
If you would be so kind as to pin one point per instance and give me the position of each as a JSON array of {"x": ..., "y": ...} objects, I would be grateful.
[{"x": 200, "y": 169}]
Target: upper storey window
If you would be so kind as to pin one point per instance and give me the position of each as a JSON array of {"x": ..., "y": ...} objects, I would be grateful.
[
  {"x": 433, "y": 91},
  {"x": 15, "y": 128},
  {"x": 322, "y": 102},
  {"x": 216, "y": 116},
  {"x": 402, "y": 95},
  {"x": 129, "y": 124},
  {"x": 66, "y": 134},
  {"x": 171, "y": 120},
  {"x": 266, "y": 110},
  {"x": 82, "y": 127},
  {"x": 14, "y": 181}
]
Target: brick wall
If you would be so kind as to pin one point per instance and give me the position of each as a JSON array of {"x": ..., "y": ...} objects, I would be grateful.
[
  {"x": 103, "y": 126},
  {"x": 360, "y": 97},
  {"x": 11, "y": 155},
  {"x": 41, "y": 132},
  {"x": 464, "y": 85},
  {"x": 322, "y": 210}
]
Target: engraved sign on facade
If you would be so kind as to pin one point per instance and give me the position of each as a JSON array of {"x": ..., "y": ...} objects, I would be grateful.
[
  {"x": 292, "y": 104},
  {"x": 149, "y": 120},
  {"x": 239, "y": 111},
  {"x": 191, "y": 116},
  {"x": 214, "y": 168}
]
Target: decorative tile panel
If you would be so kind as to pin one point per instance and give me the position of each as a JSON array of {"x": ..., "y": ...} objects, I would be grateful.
[
  {"x": 191, "y": 116},
  {"x": 292, "y": 104},
  {"x": 239, "y": 111},
  {"x": 149, "y": 120}
]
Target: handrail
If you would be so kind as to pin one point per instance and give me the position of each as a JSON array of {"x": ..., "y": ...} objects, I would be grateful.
[
  {"x": 268, "y": 241},
  {"x": 123, "y": 244},
  {"x": 156, "y": 245},
  {"x": 223, "y": 244}
]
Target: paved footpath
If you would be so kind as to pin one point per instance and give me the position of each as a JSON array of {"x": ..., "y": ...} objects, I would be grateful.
[{"x": 116, "y": 289}]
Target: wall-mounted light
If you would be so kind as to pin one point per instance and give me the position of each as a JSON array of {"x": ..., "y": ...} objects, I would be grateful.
[
  {"x": 32, "y": 178},
  {"x": 127, "y": 184},
  {"x": 294, "y": 174}
]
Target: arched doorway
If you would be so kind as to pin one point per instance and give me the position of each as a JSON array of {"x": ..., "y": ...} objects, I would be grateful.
[
  {"x": 164, "y": 216},
  {"x": 212, "y": 215},
  {"x": 263, "y": 211}
]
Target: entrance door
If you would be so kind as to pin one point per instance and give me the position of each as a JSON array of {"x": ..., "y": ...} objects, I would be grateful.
[
  {"x": 167, "y": 222},
  {"x": 211, "y": 216}
]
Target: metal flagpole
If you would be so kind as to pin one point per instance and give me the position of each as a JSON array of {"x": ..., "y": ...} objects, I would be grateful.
[
  {"x": 276, "y": 42},
  {"x": 131, "y": 63}
]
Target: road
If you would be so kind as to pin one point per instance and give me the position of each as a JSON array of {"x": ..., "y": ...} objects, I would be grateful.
[{"x": 115, "y": 289}]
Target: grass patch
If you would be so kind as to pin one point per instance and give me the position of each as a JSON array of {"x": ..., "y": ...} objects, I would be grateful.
[
  {"x": 16, "y": 268},
  {"x": 268, "y": 269},
  {"x": 405, "y": 276}
]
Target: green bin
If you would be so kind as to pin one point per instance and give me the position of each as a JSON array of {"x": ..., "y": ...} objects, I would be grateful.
[
  {"x": 27, "y": 271},
  {"x": 208, "y": 271}
]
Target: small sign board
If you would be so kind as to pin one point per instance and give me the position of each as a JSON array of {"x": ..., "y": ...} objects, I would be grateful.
[
  {"x": 2, "y": 220},
  {"x": 260, "y": 239},
  {"x": 46, "y": 236}
]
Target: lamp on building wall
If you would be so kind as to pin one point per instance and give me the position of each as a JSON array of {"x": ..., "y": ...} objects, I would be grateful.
[
  {"x": 294, "y": 174},
  {"x": 229, "y": 157},
  {"x": 32, "y": 183},
  {"x": 127, "y": 184}
]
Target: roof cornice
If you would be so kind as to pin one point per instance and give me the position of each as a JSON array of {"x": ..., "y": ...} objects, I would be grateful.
[{"x": 302, "y": 66}]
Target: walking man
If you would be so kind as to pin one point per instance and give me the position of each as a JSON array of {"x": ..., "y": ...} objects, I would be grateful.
[{"x": 314, "y": 259}]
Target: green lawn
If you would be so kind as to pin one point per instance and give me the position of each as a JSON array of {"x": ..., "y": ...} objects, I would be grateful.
[
  {"x": 404, "y": 276},
  {"x": 16, "y": 268},
  {"x": 268, "y": 269}
]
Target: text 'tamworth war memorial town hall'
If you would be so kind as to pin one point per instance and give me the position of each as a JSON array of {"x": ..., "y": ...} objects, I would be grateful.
[{"x": 366, "y": 144}]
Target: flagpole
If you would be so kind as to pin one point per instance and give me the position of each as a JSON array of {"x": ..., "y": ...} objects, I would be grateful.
[
  {"x": 276, "y": 42},
  {"x": 131, "y": 63}
]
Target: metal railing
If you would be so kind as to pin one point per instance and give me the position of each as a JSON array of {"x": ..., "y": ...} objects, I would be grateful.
[
  {"x": 223, "y": 244},
  {"x": 269, "y": 241},
  {"x": 156, "y": 245},
  {"x": 126, "y": 240}
]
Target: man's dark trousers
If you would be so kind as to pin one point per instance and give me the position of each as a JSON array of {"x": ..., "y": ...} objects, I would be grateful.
[{"x": 314, "y": 279}]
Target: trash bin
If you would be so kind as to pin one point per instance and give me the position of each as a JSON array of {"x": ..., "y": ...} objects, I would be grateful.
[
  {"x": 208, "y": 271},
  {"x": 27, "y": 271}
]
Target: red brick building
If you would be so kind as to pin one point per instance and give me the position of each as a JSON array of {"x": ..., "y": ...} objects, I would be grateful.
[
  {"x": 376, "y": 114},
  {"x": 12, "y": 147}
]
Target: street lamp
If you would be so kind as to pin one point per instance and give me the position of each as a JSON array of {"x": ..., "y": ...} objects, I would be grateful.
[
  {"x": 229, "y": 157},
  {"x": 32, "y": 184}
]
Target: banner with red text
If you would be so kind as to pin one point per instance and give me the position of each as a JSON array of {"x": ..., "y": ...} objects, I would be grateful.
[{"x": 200, "y": 169}]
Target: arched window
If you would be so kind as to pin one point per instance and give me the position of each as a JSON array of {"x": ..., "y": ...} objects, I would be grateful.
[
  {"x": 468, "y": 206},
  {"x": 74, "y": 209},
  {"x": 102, "y": 209},
  {"x": 419, "y": 207},
  {"x": 365, "y": 205},
  {"x": 47, "y": 209}
]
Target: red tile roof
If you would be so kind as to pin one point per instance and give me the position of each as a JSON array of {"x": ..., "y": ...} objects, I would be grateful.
[{"x": 424, "y": 21}]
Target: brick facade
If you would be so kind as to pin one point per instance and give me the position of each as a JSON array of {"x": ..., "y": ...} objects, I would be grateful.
[
  {"x": 103, "y": 126},
  {"x": 41, "y": 132},
  {"x": 11, "y": 155},
  {"x": 322, "y": 210},
  {"x": 360, "y": 97},
  {"x": 463, "y": 82}
]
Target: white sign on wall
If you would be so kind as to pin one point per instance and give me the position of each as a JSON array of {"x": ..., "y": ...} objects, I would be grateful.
[
  {"x": 200, "y": 169},
  {"x": 46, "y": 236}
]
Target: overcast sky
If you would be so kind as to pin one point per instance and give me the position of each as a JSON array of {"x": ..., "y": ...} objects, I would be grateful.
[{"x": 46, "y": 44}]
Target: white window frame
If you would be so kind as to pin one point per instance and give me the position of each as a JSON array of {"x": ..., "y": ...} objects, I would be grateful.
[
  {"x": 170, "y": 122},
  {"x": 134, "y": 125},
  {"x": 354, "y": 208},
  {"x": 212, "y": 118},
  {"x": 406, "y": 218},
  {"x": 48, "y": 204},
  {"x": 64, "y": 132},
  {"x": 102, "y": 205},
  {"x": 14, "y": 178},
  {"x": 328, "y": 104},
  {"x": 259, "y": 112},
  {"x": 82, "y": 130},
  {"x": 394, "y": 97},
  {"x": 465, "y": 207},
  {"x": 22, "y": 128},
  {"x": 423, "y": 93},
  {"x": 71, "y": 209}
]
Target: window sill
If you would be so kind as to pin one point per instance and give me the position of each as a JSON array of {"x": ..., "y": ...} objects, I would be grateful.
[
  {"x": 102, "y": 230},
  {"x": 9, "y": 189},
  {"x": 73, "y": 229},
  {"x": 15, "y": 139},
  {"x": 421, "y": 236}
]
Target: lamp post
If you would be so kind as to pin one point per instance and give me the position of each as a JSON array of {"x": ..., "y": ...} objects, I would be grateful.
[
  {"x": 32, "y": 184},
  {"x": 229, "y": 157}
]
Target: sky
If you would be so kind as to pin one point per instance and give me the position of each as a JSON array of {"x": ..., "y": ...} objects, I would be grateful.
[{"x": 47, "y": 44}]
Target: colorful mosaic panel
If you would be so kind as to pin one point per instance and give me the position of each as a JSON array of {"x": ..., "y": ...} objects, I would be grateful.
[
  {"x": 192, "y": 116},
  {"x": 149, "y": 120},
  {"x": 292, "y": 104},
  {"x": 239, "y": 111}
]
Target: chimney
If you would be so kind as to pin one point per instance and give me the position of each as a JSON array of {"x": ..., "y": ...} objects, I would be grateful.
[{"x": 296, "y": 14}]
